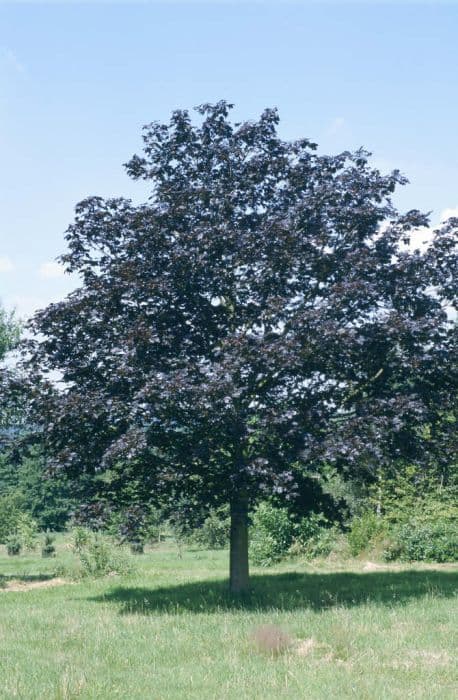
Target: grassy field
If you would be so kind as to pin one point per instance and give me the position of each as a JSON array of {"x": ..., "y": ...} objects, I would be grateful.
[{"x": 169, "y": 630}]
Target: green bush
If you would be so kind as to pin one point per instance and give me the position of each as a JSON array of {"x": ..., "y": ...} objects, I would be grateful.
[
  {"x": 137, "y": 547},
  {"x": 314, "y": 537},
  {"x": 363, "y": 530},
  {"x": 98, "y": 555},
  {"x": 153, "y": 525},
  {"x": 16, "y": 525},
  {"x": 310, "y": 527},
  {"x": 80, "y": 538},
  {"x": 10, "y": 510},
  {"x": 420, "y": 541},
  {"x": 48, "y": 549},
  {"x": 275, "y": 534},
  {"x": 26, "y": 530},
  {"x": 272, "y": 534},
  {"x": 13, "y": 546},
  {"x": 405, "y": 492},
  {"x": 215, "y": 531}
]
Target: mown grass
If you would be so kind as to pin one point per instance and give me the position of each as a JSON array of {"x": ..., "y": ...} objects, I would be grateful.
[{"x": 170, "y": 630}]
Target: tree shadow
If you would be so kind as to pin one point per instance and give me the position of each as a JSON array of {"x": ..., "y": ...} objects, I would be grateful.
[{"x": 287, "y": 591}]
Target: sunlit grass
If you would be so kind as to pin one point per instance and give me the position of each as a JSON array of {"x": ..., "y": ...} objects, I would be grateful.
[{"x": 170, "y": 630}]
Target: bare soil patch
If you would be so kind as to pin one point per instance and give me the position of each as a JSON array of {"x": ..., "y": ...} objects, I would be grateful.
[{"x": 14, "y": 586}]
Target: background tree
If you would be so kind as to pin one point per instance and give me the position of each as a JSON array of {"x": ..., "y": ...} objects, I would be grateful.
[
  {"x": 23, "y": 488},
  {"x": 10, "y": 331},
  {"x": 253, "y": 320},
  {"x": 23, "y": 481}
]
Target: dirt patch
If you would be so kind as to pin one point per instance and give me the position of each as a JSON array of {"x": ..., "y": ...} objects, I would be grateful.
[
  {"x": 415, "y": 566},
  {"x": 12, "y": 586},
  {"x": 426, "y": 659},
  {"x": 371, "y": 566},
  {"x": 432, "y": 658},
  {"x": 271, "y": 639},
  {"x": 305, "y": 647}
]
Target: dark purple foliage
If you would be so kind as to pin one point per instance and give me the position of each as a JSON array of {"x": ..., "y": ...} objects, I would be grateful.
[{"x": 253, "y": 318}]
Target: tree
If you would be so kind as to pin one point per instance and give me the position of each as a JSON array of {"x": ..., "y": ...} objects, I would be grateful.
[
  {"x": 259, "y": 316},
  {"x": 22, "y": 478},
  {"x": 10, "y": 331},
  {"x": 22, "y": 486}
]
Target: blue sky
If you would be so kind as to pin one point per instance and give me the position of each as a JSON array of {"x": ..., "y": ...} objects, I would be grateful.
[{"x": 78, "y": 80}]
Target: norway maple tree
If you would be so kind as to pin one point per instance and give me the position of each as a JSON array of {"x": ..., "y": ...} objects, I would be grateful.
[{"x": 261, "y": 313}]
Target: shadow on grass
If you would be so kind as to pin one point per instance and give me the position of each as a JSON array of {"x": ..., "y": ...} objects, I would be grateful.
[
  {"x": 26, "y": 578},
  {"x": 287, "y": 591}
]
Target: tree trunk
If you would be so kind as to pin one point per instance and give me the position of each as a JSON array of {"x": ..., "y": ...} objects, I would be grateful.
[{"x": 239, "y": 574}]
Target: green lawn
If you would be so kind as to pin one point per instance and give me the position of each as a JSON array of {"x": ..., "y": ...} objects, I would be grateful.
[{"x": 171, "y": 631}]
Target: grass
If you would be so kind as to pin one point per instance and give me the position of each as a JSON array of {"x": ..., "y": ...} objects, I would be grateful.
[{"x": 171, "y": 631}]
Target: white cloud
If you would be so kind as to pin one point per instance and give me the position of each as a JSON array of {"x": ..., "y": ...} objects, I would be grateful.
[
  {"x": 421, "y": 238},
  {"x": 336, "y": 125},
  {"x": 51, "y": 270},
  {"x": 447, "y": 213},
  {"x": 6, "y": 264}
]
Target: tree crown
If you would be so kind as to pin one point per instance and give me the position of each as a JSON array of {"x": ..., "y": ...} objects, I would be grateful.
[{"x": 261, "y": 310}]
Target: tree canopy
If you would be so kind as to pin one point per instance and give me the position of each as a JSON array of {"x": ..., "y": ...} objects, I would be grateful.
[
  {"x": 261, "y": 314},
  {"x": 10, "y": 331}
]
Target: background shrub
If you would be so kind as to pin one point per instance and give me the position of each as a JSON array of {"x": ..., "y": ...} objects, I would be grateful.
[
  {"x": 26, "y": 530},
  {"x": 10, "y": 510},
  {"x": 363, "y": 530},
  {"x": 215, "y": 531},
  {"x": 48, "y": 549},
  {"x": 80, "y": 538},
  {"x": 420, "y": 541},
  {"x": 13, "y": 546},
  {"x": 15, "y": 524},
  {"x": 271, "y": 534},
  {"x": 101, "y": 557},
  {"x": 314, "y": 537},
  {"x": 98, "y": 555}
]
